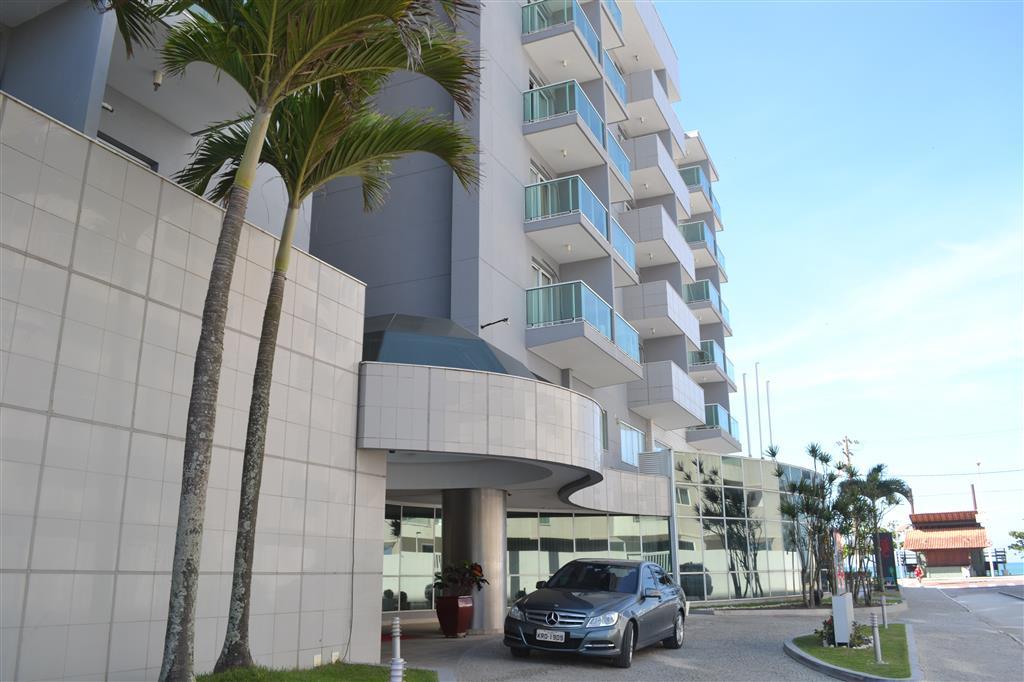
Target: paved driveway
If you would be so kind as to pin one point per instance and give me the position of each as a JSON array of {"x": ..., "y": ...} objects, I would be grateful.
[
  {"x": 966, "y": 634},
  {"x": 728, "y": 646}
]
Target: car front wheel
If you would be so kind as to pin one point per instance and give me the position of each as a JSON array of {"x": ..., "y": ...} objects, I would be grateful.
[
  {"x": 675, "y": 640},
  {"x": 625, "y": 657}
]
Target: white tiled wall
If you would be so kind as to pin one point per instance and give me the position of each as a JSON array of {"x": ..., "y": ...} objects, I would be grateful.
[
  {"x": 415, "y": 407},
  {"x": 103, "y": 272}
]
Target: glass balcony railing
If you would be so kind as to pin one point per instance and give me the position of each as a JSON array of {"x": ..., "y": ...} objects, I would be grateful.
[
  {"x": 614, "y": 76},
  {"x": 724, "y": 309},
  {"x": 714, "y": 204},
  {"x": 614, "y": 11},
  {"x": 618, "y": 156},
  {"x": 538, "y": 16},
  {"x": 717, "y": 417},
  {"x": 703, "y": 290},
  {"x": 694, "y": 176},
  {"x": 622, "y": 243},
  {"x": 711, "y": 353},
  {"x": 566, "y": 303},
  {"x": 562, "y": 98},
  {"x": 627, "y": 338},
  {"x": 698, "y": 231},
  {"x": 562, "y": 196}
]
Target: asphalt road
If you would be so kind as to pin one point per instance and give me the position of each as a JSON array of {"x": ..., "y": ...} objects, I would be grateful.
[{"x": 966, "y": 634}]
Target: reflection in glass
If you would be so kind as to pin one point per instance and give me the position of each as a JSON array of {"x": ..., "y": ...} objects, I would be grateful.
[
  {"x": 416, "y": 592},
  {"x": 556, "y": 545},
  {"x": 732, "y": 471},
  {"x": 417, "y": 533},
  {"x": 591, "y": 536},
  {"x": 751, "y": 473},
  {"x": 687, "y": 500},
  {"x": 734, "y": 503},
  {"x": 389, "y": 596},
  {"x": 523, "y": 543},
  {"x": 392, "y": 535},
  {"x": 655, "y": 543},
  {"x": 694, "y": 585},
  {"x": 624, "y": 542}
]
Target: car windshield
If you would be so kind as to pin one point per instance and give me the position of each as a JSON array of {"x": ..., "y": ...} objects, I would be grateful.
[{"x": 596, "y": 577}]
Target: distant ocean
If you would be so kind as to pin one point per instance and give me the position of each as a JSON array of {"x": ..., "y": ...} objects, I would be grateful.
[{"x": 1015, "y": 567}]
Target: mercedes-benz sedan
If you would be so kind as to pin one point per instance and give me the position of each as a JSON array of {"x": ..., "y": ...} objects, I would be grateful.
[{"x": 599, "y": 607}]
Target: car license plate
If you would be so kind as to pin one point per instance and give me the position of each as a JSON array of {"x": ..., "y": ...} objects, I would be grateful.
[{"x": 549, "y": 636}]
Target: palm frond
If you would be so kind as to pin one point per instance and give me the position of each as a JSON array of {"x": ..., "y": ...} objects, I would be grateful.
[{"x": 136, "y": 21}]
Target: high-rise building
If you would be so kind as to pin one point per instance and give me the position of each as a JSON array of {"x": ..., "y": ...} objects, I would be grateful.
[
  {"x": 528, "y": 372},
  {"x": 589, "y": 254}
]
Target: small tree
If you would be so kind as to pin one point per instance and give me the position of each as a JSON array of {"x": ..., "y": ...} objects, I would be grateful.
[
  {"x": 883, "y": 493},
  {"x": 1018, "y": 541}
]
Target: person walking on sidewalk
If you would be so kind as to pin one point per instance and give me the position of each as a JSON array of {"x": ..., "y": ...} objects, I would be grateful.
[{"x": 918, "y": 573}]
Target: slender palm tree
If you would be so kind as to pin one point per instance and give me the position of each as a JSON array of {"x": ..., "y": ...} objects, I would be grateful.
[
  {"x": 273, "y": 49},
  {"x": 313, "y": 138},
  {"x": 883, "y": 493}
]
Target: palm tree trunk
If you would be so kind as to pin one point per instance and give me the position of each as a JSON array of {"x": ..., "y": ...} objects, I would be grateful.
[
  {"x": 202, "y": 415},
  {"x": 235, "y": 653}
]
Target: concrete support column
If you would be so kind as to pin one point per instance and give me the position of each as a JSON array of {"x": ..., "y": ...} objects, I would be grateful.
[
  {"x": 473, "y": 528},
  {"x": 58, "y": 61}
]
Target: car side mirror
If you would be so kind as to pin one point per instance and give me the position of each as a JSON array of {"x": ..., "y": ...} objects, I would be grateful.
[
  {"x": 652, "y": 593},
  {"x": 541, "y": 584}
]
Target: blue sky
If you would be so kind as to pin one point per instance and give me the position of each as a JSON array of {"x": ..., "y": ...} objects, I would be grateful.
[{"x": 870, "y": 162}]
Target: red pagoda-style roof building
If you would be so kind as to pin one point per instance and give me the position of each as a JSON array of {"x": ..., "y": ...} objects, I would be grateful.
[{"x": 947, "y": 539}]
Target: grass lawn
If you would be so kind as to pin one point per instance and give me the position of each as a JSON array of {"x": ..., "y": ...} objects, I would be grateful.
[
  {"x": 332, "y": 672},
  {"x": 894, "y": 653}
]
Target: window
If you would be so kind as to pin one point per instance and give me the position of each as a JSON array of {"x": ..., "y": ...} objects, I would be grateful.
[
  {"x": 537, "y": 175},
  {"x": 650, "y": 583},
  {"x": 604, "y": 430},
  {"x": 661, "y": 577},
  {"x": 541, "y": 276},
  {"x": 658, "y": 445},
  {"x": 631, "y": 443},
  {"x": 535, "y": 81}
]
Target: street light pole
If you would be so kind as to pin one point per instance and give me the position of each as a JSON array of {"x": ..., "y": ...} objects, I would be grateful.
[
  {"x": 768, "y": 404},
  {"x": 746, "y": 415},
  {"x": 757, "y": 391}
]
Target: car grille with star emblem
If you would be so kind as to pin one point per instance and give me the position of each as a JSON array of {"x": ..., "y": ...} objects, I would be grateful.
[{"x": 556, "y": 619}]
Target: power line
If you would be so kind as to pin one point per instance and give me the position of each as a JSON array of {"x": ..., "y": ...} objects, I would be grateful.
[
  {"x": 960, "y": 492},
  {"x": 928, "y": 436},
  {"x": 969, "y": 473}
]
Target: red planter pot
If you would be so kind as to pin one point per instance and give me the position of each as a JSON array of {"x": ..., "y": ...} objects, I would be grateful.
[{"x": 454, "y": 614}]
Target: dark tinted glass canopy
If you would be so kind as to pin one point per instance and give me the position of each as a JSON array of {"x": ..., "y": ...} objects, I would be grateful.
[{"x": 416, "y": 340}]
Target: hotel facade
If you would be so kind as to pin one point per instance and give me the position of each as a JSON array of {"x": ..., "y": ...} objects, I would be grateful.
[{"x": 518, "y": 375}]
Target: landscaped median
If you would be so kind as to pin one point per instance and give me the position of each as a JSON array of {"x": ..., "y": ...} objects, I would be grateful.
[
  {"x": 858, "y": 664},
  {"x": 332, "y": 672}
]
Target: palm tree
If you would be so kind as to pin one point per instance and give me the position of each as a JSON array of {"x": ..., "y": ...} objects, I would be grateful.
[
  {"x": 273, "y": 49},
  {"x": 314, "y": 137},
  {"x": 883, "y": 493}
]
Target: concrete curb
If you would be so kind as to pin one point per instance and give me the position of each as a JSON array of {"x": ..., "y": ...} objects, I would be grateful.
[
  {"x": 794, "y": 652},
  {"x": 1011, "y": 594}
]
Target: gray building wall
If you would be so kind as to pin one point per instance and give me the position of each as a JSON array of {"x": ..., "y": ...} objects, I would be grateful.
[{"x": 58, "y": 62}]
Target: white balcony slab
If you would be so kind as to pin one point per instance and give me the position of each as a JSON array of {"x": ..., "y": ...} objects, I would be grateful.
[
  {"x": 657, "y": 310},
  {"x": 654, "y": 172},
  {"x": 565, "y": 143},
  {"x": 591, "y": 356},
  {"x": 667, "y": 396},
  {"x": 658, "y": 239}
]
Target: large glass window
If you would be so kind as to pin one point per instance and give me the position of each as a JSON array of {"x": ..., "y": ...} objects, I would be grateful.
[
  {"x": 591, "y": 536},
  {"x": 631, "y": 443},
  {"x": 523, "y": 542},
  {"x": 624, "y": 541},
  {"x": 556, "y": 541}
]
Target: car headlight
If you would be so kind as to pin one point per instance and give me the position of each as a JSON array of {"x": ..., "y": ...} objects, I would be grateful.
[
  {"x": 515, "y": 614},
  {"x": 604, "y": 620}
]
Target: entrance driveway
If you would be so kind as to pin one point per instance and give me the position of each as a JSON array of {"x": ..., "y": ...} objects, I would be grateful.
[{"x": 728, "y": 646}]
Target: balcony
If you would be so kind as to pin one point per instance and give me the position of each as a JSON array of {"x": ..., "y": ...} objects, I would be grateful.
[
  {"x": 615, "y": 87},
  {"x": 719, "y": 433},
  {"x": 561, "y": 123},
  {"x": 573, "y": 328},
  {"x": 706, "y": 303},
  {"x": 654, "y": 172},
  {"x": 621, "y": 188},
  {"x": 560, "y": 39},
  {"x": 656, "y": 310},
  {"x": 658, "y": 241},
  {"x": 611, "y": 23},
  {"x": 706, "y": 253},
  {"x": 650, "y": 110},
  {"x": 649, "y": 44},
  {"x": 624, "y": 256},
  {"x": 567, "y": 220},
  {"x": 702, "y": 198},
  {"x": 709, "y": 365},
  {"x": 667, "y": 396}
]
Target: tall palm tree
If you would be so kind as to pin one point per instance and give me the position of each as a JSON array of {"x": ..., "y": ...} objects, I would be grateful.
[
  {"x": 883, "y": 493},
  {"x": 313, "y": 138},
  {"x": 273, "y": 49}
]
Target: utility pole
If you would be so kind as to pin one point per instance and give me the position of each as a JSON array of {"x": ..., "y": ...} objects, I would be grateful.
[
  {"x": 746, "y": 416},
  {"x": 757, "y": 391},
  {"x": 992, "y": 555},
  {"x": 846, "y": 442},
  {"x": 768, "y": 401}
]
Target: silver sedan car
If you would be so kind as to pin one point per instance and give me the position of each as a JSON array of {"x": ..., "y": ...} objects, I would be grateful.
[{"x": 599, "y": 607}]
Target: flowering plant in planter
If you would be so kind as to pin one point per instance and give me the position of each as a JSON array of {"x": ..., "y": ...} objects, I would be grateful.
[
  {"x": 860, "y": 635},
  {"x": 457, "y": 580}
]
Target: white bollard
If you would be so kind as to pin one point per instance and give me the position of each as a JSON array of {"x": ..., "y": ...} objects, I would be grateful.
[
  {"x": 885, "y": 614},
  {"x": 397, "y": 664},
  {"x": 876, "y": 638}
]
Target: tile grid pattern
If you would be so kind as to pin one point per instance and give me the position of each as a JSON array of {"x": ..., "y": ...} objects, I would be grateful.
[{"x": 104, "y": 269}]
